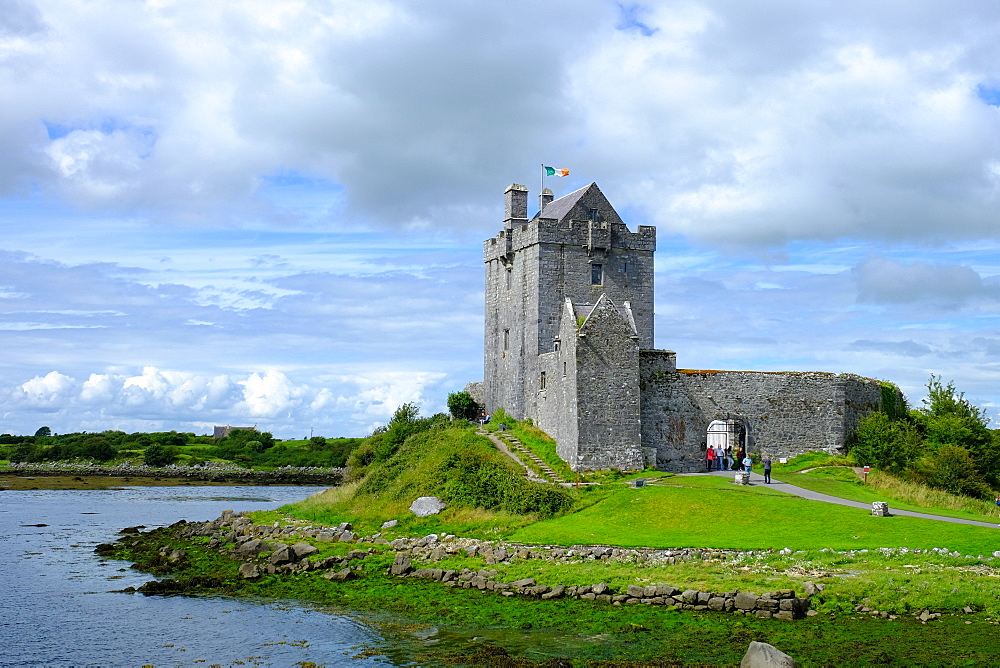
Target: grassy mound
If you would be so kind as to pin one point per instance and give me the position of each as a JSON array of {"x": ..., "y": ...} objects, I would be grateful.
[{"x": 485, "y": 491}]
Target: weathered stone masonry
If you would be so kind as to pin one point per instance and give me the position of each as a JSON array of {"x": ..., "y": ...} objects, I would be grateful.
[{"x": 569, "y": 343}]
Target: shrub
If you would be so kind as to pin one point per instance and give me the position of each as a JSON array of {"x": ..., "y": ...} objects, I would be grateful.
[
  {"x": 480, "y": 480},
  {"x": 884, "y": 443},
  {"x": 952, "y": 468},
  {"x": 158, "y": 455},
  {"x": 463, "y": 407}
]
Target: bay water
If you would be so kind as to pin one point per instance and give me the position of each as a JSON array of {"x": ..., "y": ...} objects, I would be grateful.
[{"x": 57, "y": 607}]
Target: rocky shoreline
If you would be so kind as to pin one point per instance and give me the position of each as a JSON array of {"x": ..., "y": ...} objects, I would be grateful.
[
  {"x": 264, "y": 549},
  {"x": 210, "y": 473}
]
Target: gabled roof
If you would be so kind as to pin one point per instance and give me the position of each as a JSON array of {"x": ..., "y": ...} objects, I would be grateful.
[
  {"x": 577, "y": 206},
  {"x": 559, "y": 208},
  {"x": 584, "y": 311}
]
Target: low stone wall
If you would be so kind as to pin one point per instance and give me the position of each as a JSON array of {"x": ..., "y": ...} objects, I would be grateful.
[
  {"x": 265, "y": 550},
  {"x": 781, "y": 604},
  {"x": 283, "y": 476}
]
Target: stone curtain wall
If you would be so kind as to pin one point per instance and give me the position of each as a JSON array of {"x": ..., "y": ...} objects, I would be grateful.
[{"x": 785, "y": 413}]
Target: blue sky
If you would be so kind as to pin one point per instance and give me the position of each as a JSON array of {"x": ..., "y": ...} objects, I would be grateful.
[{"x": 272, "y": 213}]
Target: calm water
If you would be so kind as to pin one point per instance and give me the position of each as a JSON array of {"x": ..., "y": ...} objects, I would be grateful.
[{"x": 57, "y": 610}]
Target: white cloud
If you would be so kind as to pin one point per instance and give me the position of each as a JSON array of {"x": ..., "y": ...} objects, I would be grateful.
[
  {"x": 268, "y": 395},
  {"x": 48, "y": 390},
  {"x": 194, "y": 194}
]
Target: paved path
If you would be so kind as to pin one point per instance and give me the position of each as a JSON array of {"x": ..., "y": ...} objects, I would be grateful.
[{"x": 757, "y": 479}]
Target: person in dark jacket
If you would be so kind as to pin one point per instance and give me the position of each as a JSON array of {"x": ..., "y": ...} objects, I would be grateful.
[{"x": 767, "y": 469}]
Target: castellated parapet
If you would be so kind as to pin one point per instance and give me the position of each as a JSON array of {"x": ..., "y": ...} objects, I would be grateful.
[{"x": 569, "y": 344}]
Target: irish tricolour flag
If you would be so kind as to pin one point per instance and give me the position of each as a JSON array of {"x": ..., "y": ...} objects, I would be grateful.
[{"x": 555, "y": 171}]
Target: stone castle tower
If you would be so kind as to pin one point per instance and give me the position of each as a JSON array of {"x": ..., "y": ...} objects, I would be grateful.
[{"x": 569, "y": 344}]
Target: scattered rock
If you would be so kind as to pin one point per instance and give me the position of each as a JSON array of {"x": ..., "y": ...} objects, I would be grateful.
[
  {"x": 341, "y": 576},
  {"x": 427, "y": 505},
  {"x": 390, "y": 524},
  {"x": 249, "y": 571},
  {"x": 762, "y": 655}
]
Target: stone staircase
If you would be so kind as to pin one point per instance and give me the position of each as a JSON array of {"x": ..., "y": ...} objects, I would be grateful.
[{"x": 518, "y": 448}]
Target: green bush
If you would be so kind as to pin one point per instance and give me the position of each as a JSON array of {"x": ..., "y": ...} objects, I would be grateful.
[
  {"x": 480, "y": 480},
  {"x": 952, "y": 468},
  {"x": 462, "y": 406},
  {"x": 158, "y": 455},
  {"x": 884, "y": 443}
]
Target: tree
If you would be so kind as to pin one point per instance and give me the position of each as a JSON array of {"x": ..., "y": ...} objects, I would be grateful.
[
  {"x": 158, "y": 455},
  {"x": 948, "y": 418},
  {"x": 885, "y": 443},
  {"x": 43, "y": 432},
  {"x": 98, "y": 448},
  {"x": 463, "y": 407}
]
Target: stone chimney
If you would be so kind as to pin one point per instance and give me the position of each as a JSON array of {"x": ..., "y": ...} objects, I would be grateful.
[
  {"x": 544, "y": 199},
  {"x": 515, "y": 205}
]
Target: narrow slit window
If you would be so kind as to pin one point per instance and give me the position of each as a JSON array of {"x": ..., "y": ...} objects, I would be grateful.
[
  {"x": 541, "y": 381},
  {"x": 506, "y": 339},
  {"x": 509, "y": 272},
  {"x": 597, "y": 274}
]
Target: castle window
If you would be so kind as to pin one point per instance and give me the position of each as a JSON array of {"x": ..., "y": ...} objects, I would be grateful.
[
  {"x": 541, "y": 381},
  {"x": 564, "y": 368},
  {"x": 509, "y": 272},
  {"x": 595, "y": 216},
  {"x": 506, "y": 339},
  {"x": 596, "y": 274}
]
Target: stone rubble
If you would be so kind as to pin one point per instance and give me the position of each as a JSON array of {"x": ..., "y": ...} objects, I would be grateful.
[{"x": 267, "y": 545}]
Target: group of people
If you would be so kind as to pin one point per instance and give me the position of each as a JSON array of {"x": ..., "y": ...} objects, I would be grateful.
[{"x": 721, "y": 459}]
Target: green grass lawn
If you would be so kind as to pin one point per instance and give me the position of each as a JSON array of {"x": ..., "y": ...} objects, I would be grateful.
[{"x": 705, "y": 513}]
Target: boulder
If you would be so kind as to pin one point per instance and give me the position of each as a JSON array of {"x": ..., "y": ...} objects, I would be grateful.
[
  {"x": 762, "y": 655},
  {"x": 401, "y": 566},
  {"x": 303, "y": 550},
  {"x": 427, "y": 505},
  {"x": 249, "y": 571},
  {"x": 390, "y": 524},
  {"x": 282, "y": 555},
  {"x": 341, "y": 576},
  {"x": 252, "y": 548}
]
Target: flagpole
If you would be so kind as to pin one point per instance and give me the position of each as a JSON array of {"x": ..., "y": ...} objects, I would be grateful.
[{"x": 541, "y": 187}]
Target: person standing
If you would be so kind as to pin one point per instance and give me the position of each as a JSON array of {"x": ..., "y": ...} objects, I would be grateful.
[
  {"x": 710, "y": 457},
  {"x": 767, "y": 469},
  {"x": 720, "y": 458},
  {"x": 747, "y": 463},
  {"x": 729, "y": 458}
]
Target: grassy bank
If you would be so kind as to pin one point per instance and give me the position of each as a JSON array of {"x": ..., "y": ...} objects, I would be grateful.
[
  {"x": 579, "y": 632},
  {"x": 886, "y": 567}
]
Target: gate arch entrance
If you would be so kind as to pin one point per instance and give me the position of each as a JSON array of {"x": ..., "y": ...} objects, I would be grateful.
[{"x": 728, "y": 441}]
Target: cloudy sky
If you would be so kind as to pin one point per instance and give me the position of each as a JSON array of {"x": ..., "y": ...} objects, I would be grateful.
[{"x": 271, "y": 213}]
